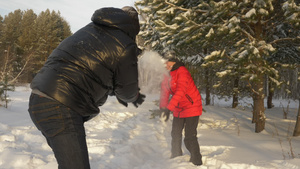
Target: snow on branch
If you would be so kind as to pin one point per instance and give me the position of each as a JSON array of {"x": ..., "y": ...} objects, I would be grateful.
[
  {"x": 184, "y": 9},
  {"x": 250, "y": 13}
]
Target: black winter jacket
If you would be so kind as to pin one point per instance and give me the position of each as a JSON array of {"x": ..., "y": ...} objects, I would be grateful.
[{"x": 98, "y": 60}]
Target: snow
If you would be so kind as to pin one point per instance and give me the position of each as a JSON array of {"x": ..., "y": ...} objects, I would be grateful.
[
  {"x": 146, "y": 9},
  {"x": 223, "y": 73},
  {"x": 263, "y": 11},
  {"x": 286, "y": 5},
  {"x": 293, "y": 16},
  {"x": 234, "y": 20},
  {"x": 250, "y": 13},
  {"x": 260, "y": 3},
  {"x": 211, "y": 31},
  {"x": 213, "y": 54},
  {"x": 243, "y": 54},
  {"x": 128, "y": 138},
  {"x": 151, "y": 70}
]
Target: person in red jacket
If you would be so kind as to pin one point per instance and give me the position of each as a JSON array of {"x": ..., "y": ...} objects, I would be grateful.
[{"x": 186, "y": 105}]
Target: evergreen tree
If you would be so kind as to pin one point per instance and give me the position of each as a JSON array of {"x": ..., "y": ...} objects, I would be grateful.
[
  {"x": 46, "y": 38},
  {"x": 11, "y": 29},
  {"x": 4, "y": 88},
  {"x": 26, "y": 41},
  {"x": 297, "y": 126},
  {"x": 1, "y": 28},
  {"x": 1, "y": 41},
  {"x": 235, "y": 32},
  {"x": 51, "y": 30},
  {"x": 11, "y": 32},
  {"x": 247, "y": 29},
  {"x": 166, "y": 25}
]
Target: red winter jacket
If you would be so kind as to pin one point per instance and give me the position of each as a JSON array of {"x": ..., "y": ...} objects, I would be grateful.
[{"x": 186, "y": 99}]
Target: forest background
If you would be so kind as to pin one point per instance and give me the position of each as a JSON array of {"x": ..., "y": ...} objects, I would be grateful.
[{"x": 233, "y": 49}]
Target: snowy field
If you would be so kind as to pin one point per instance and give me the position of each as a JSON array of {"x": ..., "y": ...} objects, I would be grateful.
[{"x": 127, "y": 138}]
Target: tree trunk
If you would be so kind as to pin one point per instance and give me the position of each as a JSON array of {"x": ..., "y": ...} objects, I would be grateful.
[
  {"x": 207, "y": 84},
  {"x": 207, "y": 89},
  {"x": 259, "y": 115},
  {"x": 258, "y": 106},
  {"x": 235, "y": 98},
  {"x": 297, "y": 127},
  {"x": 270, "y": 95}
]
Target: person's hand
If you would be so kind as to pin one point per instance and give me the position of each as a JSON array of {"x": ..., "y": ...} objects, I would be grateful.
[
  {"x": 165, "y": 113},
  {"x": 139, "y": 100},
  {"x": 122, "y": 102}
]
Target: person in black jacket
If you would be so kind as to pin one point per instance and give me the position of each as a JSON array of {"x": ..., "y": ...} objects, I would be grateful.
[{"x": 98, "y": 60}]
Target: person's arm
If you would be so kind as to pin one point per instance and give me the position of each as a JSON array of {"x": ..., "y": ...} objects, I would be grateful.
[
  {"x": 126, "y": 86},
  {"x": 164, "y": 93}
]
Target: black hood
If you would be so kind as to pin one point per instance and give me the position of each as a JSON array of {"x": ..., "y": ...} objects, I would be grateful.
[{"x": 117, "y": 18}]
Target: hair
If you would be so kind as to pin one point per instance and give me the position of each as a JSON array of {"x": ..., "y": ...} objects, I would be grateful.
[{"x": 173, "y": 59}]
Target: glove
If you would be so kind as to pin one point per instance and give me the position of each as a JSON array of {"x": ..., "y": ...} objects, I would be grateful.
[
  {"x": 122, "y": 102},
  {"x": 139, "y": 100},
  {"x": 165, "y": 113}
]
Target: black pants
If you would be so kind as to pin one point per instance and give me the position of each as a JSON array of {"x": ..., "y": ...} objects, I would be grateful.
[
  {"x": 190, "y": 138},
  {"x": 64, "y": 130}
]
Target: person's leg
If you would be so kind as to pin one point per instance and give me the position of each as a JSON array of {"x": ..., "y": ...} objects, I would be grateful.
[
  {"x": 176, "y": 133},
  {"x": 191, "y": 141},
  {"x": 70, "y": 150},
  {"x": 63, "y": 129}
]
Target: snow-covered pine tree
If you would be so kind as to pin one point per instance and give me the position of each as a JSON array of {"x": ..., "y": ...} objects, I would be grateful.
[
  {"x": 247, "y": 30},
  {"x": 235, "y": 32},
  {"x": 166, "y": 24},
  {"x": 287, "y": 55},
  {"x": 173, "y": 25}
]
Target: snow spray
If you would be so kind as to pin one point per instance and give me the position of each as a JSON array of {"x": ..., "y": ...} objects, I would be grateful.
[{"x": 151, "y": 72}]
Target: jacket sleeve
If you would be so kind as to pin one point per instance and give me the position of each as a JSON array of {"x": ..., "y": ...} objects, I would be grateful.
[
  {"x": 181, "y": 87},
  {"x": 126, "y": 75},
  {"x": 164, "y": 93}
]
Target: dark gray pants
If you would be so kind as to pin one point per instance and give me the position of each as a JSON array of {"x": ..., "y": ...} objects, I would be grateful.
[
  {"x": 64, "y": 130},
  {"x": 190, "y": 138}
]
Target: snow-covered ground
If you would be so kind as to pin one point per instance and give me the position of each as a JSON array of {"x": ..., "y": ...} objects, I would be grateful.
[{"x": 127, "y": 138}]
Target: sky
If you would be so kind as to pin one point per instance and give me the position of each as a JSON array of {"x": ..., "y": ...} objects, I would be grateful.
[{"x": 76, "y": 12}]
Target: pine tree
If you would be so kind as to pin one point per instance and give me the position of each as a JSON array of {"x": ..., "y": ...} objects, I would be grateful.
[
  {"x": 11, "y": 28},
  {"x": 4, "y": 88},
  {"x": 1, "y": 28},
  {"x": 11, "y": 32},
  {"x": 51, "y": 30},
  {"x": 236, "y": 33},
  {"x": 1, "y": 41},
  {"x": 247, "y": 30},
  {"x": 26, "y": 41}
]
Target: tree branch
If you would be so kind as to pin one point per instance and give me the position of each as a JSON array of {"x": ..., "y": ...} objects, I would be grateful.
[
  {"x": 184, "y": 9},
  {"x": 27, "y": 60},
  {"x": 285, "y": 39}
]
